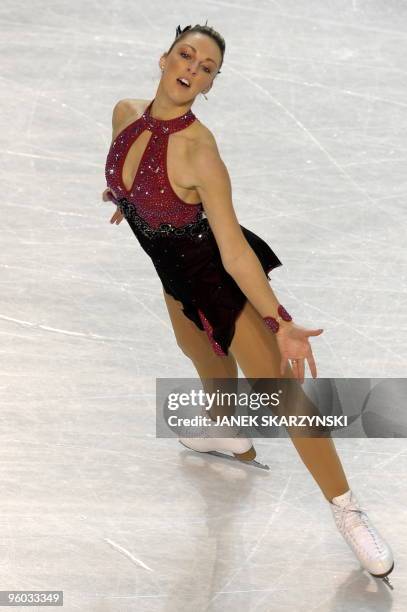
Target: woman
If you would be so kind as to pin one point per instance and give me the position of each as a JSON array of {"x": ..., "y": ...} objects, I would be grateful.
[{"x": 166, "y": 176}]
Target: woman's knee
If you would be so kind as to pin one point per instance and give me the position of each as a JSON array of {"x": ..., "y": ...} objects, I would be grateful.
[{"x": 191, "y": 346}]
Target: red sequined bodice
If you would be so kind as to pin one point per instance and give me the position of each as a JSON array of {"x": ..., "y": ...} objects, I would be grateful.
[{"x": 151, "y": 193}]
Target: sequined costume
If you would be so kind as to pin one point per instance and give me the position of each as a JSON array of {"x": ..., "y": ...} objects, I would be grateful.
[{"x": 177, "y": 235}]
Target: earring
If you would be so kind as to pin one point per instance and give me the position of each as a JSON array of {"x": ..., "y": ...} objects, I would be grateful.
[{"x": 203, "y": 93}]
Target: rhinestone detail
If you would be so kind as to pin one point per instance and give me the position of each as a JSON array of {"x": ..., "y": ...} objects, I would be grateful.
[
  {"x": 273, "y": 323},
  {"x": 283, "y": 313},
  {"x": 197, "y": 230},
  {"x": 209, "y": 330},
  {"x": 151, "y": 192}
]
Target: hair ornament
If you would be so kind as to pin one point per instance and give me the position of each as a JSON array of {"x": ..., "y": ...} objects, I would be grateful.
[{"x": 178, "y": 31}]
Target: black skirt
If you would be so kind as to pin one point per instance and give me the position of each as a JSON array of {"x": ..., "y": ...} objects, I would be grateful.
[{"x": 189, "y": 264}]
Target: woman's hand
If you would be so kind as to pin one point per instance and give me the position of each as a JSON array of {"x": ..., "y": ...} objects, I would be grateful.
[
  {"x": 117, "y": 217},
  {"x": 107, "y": 196},
  {"x": 294, "y": 344}
]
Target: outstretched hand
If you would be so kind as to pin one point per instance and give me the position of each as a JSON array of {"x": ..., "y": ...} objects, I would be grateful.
[
  {"x": 293, "y": 343},
  {"x": 118, "y": 216}
]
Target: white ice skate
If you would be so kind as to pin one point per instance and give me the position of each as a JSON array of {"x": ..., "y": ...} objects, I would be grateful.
[
  {"x": 204, "y": 440},
  {"x": 365, "y": 541}
]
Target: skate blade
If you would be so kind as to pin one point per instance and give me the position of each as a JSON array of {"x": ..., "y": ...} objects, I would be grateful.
[
  {"x": 252, "y": 462},
  {"x": 389, "y": 584},
  {"x": 385, "y": 578}
]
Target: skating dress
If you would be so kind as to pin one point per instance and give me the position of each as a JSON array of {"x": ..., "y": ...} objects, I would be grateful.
[{"x": 177, "y": 235}]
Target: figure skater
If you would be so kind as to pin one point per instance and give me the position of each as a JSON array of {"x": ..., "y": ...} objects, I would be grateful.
[{"x": 167, "y": 179}]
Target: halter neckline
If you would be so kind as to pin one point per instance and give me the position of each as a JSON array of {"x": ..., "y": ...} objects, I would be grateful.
[{"x": 167, "y": 125}]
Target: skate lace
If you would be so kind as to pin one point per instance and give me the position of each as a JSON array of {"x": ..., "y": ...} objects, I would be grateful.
[{"x": 356, "y": 517}]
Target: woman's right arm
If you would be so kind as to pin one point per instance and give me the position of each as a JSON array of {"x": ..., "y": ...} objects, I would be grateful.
[{"x": 121, "y": 112}]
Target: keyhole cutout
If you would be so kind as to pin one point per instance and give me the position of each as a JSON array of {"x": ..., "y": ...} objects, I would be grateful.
[{"x": 133, "y": 159}]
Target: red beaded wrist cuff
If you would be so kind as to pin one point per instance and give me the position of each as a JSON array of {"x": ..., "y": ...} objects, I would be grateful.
[{"x": 273, "y": 323}]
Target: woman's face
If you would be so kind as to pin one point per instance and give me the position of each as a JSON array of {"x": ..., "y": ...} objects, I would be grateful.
[{"x": 196, "y": 58}]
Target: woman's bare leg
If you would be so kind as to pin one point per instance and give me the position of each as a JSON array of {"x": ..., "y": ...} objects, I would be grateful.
[
  {"x": 256, "y": 350},
  {"x": 195, "y": 344}
]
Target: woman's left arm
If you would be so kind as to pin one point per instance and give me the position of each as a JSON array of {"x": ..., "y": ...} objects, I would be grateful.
[{"x": 238, "y": 258}]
